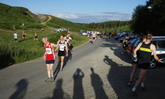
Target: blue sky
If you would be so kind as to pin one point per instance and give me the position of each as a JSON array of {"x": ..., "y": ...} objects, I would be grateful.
[{"x": 81, "y": 11}]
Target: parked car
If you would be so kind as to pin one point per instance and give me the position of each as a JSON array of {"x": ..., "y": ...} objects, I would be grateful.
[
  {"x": 130, "y": 45},
  {"x": 82, "y": 32},
  {"x": 159, "y": 42},
  {"x": 119, "y": 35}
]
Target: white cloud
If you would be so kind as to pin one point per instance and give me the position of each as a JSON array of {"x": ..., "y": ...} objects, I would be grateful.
[
  {"x": 66, "y": 16},
  {"x": 97, "y": 17}
]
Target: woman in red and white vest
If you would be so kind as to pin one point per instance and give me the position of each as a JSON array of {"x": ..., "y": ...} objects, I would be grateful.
[{"x": 49, "y": 57}]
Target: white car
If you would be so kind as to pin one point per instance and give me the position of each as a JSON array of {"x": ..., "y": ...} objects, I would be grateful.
[{"x": 159, "y": 42}]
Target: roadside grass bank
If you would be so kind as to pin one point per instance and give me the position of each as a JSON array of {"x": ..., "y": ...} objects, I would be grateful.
[{"x": 25, "y": 50}]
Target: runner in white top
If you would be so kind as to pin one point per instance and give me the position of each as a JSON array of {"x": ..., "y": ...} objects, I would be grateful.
[{"x": 15, "y": 37}]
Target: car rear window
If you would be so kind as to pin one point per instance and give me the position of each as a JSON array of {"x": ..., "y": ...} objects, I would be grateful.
[{"x": 160, "y": 44}]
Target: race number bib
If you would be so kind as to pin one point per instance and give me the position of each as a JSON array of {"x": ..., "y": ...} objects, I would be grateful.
[
  {"x": 62, "y": 47},
  {"x": 48, "y": 51}
]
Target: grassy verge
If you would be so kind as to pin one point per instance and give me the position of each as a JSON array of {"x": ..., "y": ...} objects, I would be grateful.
[{"x": 16, "y": 52}]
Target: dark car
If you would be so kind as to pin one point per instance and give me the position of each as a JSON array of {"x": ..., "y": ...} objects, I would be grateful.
[
  {"x": 118, "y": 36},
  {"x": 131, "y": 44}
]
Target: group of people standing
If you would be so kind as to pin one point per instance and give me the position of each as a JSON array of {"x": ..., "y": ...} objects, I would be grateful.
[
  {"x": 62, "y": 47},
  {"x": 24, "y": 35}
]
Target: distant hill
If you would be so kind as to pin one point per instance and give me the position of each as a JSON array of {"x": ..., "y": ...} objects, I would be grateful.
[
  {"x": 20, "y": 18},
  {"x": 17, "y": 16}
]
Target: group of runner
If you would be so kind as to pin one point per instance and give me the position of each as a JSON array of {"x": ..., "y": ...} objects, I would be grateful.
[
  {"x": 24, "y": 35},
  {"x": 93, "y": 36},
  {"x": 62, "y": 47},
  {"x": 141, "y": 59}
]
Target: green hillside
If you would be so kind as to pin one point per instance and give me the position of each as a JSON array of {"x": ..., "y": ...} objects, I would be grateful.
[
  {"x": 22, "y": 18},
  {"x": 19, "y": 19},
  {"x": 57, "y": 22},
  {"x": 16, "y": 16}
]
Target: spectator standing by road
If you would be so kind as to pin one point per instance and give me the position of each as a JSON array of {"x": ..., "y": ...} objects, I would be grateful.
[{"x": 15, "y": 37}]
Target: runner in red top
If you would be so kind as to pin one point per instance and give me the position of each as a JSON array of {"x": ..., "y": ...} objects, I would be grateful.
[{"x": 49, "y": 57}]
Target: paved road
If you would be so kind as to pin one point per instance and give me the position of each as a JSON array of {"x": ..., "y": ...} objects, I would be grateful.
[{"x": 97, "y": 71}]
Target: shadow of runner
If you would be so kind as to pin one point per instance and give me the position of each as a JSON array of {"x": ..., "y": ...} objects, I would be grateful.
[
  {"x": 56, "y": 71},
  {"x": 78, "y": 91},
  {"x": 58, "y": 91},
  {"x": 66, "y": 59},
  {"x": 21, "y": 90},
  {"x": 97, "y": 85},
  {"x": 117, "y": 49},
  {"x": 118, "y": 76}
]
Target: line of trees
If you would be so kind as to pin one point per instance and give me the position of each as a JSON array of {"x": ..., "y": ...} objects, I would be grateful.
[
  {"x": 108, "y": 24},
  {"x": 149, "y": 18}
]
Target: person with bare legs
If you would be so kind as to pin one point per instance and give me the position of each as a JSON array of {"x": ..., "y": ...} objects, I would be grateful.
[
  {"x": 144, "y": 56},
  {"x": 63, "y": 51},
  {"x": 49, "y": 57},
  {"x": 134, "y": 64}
]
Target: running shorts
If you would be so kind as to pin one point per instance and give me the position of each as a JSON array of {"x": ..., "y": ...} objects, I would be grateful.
[
  {"x": 50, "y": 61},
  {"x": 61, "y": 53}
]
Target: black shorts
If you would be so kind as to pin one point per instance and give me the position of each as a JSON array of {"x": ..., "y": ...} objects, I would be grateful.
[
  {"x": 144, "y": 66},
  {"x": 15, "y": 39},
  {"x": 49, "y": 61},
  {"x": 35, "y": 37},
  {"x": 61, "y": 53},
  {"x": 94, "y": 38}
]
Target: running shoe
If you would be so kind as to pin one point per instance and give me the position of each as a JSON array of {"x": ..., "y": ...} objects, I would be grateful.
[
  {"x": 142, "y": 88},
  {"x": 133, "y": 93},
  {"x": 51, "y": 79},
  {"x": 129, "y": 83},
  {"x": 48, "y": 80}
]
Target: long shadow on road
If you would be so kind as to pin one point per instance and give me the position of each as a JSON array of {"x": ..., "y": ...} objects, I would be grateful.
[
  {"x": 97, "y": 85},
  {"x": 21, "y": 90},
  {"x": 117, "y": 49},
  {"x": 58, "y": 91},
  {"x": 78, "y": 91},
  {"x": 119, "y": 74},
  {"x": 57, "y": 69}
]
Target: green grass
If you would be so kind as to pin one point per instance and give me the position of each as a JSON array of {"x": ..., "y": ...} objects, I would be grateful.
[
  {"x": 15, "y": 16},
  {"x": 78, "y": 39},
  {"x": 16, "y": 52},
  {"x": 59, "y": 23}
]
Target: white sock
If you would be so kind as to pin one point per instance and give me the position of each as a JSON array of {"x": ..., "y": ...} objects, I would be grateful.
[
  {"x": 51, "y": 74},
  {"x": 134, "y": 89},
  {"x": 142, "y": 85},
  {"x": 48, "y": 74}
]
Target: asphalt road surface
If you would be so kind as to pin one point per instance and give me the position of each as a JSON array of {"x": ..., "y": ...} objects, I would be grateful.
[{"x": 98, "y": 71}]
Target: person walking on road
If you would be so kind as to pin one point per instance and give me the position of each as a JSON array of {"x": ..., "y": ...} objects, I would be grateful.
[
  {"x": 145, "y": 49},
  {"x": 49, "y": 57},
  {"x": 94, "y": 36},
  {"x": 63, "y": 51},
  {"x": 68, "y": 40},
  {"x": 134, "y": 64}
]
